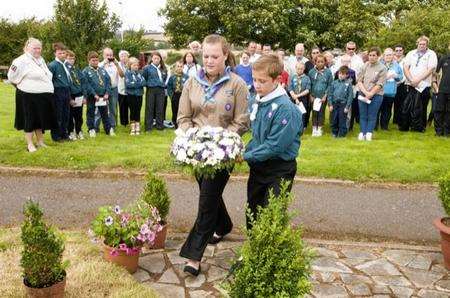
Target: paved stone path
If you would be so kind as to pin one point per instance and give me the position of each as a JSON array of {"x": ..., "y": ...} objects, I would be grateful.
[{"x": 340, "y": 270}]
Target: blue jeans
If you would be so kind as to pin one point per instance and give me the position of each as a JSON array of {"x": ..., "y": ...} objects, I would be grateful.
[
  {"x": 368, "y": 113},
  {"x": 112, "y": 110},
  {"x": 62, "y": 108},
  {"x": 339, "y": 120}
]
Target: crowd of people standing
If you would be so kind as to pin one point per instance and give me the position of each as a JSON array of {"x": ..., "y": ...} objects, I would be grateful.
[{"x": 367, "y": 87}]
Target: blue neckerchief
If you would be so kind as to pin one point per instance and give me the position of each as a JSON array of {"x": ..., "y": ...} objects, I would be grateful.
[{"x": 211, "y": 90}]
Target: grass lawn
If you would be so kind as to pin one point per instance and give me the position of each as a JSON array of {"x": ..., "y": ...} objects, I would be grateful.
[
  {"x": 392, "y": 156},
  {"x": 88, "y": 274}
]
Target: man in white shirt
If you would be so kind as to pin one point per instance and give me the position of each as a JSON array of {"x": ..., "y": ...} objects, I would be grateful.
[
  {"x": 111, "y": 65},
  {"x": 123, "y": 104},
  {"x": 418, "y": 68},
  {"x": 298, "y": 57},
  {"x": 356, "y": 63},
  {"x": 251, "y": 48}
]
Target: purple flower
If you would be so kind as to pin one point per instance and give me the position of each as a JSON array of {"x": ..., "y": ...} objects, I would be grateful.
[
  {"x": 114, "y": 252},
  {"x": 123, "y": 246},
  {"x": 109, "y": 221}
]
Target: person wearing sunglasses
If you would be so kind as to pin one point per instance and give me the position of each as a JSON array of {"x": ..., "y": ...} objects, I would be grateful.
[
  {"x": 418, "y": 68},
  {"x": 399, "y": 57}
]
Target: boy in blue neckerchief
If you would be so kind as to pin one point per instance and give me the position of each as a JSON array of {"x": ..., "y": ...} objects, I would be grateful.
[
  {"x": 276, "y": 130},
  {"x": 98, "y": 89},
  {"x": 175, "y": 88},
  {"x": 340, "y": 97},
  {"x": 299, "y": 91}
]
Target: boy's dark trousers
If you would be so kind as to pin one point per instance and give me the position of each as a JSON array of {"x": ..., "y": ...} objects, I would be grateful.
[
  {"x": 76, "y": 119},
  {"x": 305, "y": 116},
  {"x": 339, "y": 120},
  {"x": 62, "y": 108},
  {"x": 123, "y": 109},
  {"x": 442, "y": 114},
  {"x": 90, "y": 115},
  {"x": 154, "y": 101},
  {"x": 265, "y": 176},
  {"x": 175, "y": 103},
  {"x": 212, "y": 216},
  {"x": 385, "y": 112}
]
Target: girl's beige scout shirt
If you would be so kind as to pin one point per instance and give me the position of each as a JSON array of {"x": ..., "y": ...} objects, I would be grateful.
[
  {"x": 228, "y": 111},
  {"x": 373, "y": 74}
]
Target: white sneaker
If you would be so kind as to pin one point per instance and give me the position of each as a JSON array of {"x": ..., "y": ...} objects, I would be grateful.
[
  {"x": 133, "y": 129},
  {"x": 137, "y": 128},
  {"x": 319, "y": 131},
  {"x": 361, "y": 136},
  {"x": 314, "y": 131},
  {"x": 369, "y": 136},
  {"x": 92, "y": 133},
  {"x": 72, "y": 136},
  {"x": 80, "y": 135},
  {"x": 111, "y": 132}
]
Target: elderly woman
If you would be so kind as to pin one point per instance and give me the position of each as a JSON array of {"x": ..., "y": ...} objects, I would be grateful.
[
  {"x": 123, "y": 103},
  {"x": 34, "y": 94},
  {"x": 214, "y": 97}
]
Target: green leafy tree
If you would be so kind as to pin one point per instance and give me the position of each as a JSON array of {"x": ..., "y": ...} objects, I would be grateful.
[
  {"x": 133, "y": 41},
  {"x": 155, "y": 195},
  {"x": 84, "y": 25}
]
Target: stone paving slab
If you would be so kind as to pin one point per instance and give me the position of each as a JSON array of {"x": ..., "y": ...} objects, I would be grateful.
[{"x": 345, "y": 270}]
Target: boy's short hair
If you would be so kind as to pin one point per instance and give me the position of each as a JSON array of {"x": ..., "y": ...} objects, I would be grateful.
[
  {"x": 59, "y": 46},
  {"x": 376, "y": 50},
  {"x": 132, "y": 60},
  {"x": 344, "y": 70},
  {"x": 70, "y": 53},
  {"x": 179, "y": 62},
  {"x": 270, "y": 63},
  {"x": 92, "y": 54}
]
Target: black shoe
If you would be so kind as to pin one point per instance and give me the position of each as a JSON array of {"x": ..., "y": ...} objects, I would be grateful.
[
  {"x": 214, "y": 239},
  {"x": 191, "y": 270}
]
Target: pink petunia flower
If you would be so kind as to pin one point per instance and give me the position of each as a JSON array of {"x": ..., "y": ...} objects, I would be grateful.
[{"x": 114, "y": 252}]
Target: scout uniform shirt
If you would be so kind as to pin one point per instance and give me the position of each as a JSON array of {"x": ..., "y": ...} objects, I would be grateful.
[
  {"x": 98, "y": 81},
  {"x": 222, "y": 103},
  {"x": 176, "y": 83},
  {"x": 276, "y": 128},
  {"x": 320, "y": 81},
  {"x": 340, "y": 92},
  {"x": 154, "y": 76},
  {"x": 300, "y": 83},
  {"x": 134, "y": 83},
  {"x": 78, "y": 81},
  {"x": 61, "y": 76}
]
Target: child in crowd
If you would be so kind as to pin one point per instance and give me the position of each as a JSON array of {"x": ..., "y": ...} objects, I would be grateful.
[
  {"x": 299, "y": 91},
  {"x": 175, "y": 87},
  {"x": 321, "y": 79},
  {"x": 155, "y": 75},
  {"x": 134, "y": 88},
  {"x": 276, "y": 129},
  {"x": 78, "y": 95},
  {"x": 98, "y": 88},
  {"x": 340, "y": 98},
  {"x": 244, "y": 70}
]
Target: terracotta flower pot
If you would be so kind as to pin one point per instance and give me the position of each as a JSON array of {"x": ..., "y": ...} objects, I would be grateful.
[
  {"x": 445, "y": 239},
  {"x": 54, "y": 291},
  {"x": 129, "y": 262},
  {"x": 160, "y": 239}
]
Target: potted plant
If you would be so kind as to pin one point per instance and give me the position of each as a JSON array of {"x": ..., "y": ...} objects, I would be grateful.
[
  {"x": 155, "y": 195},
  {"x": 44, "y": 272},
  {"x": 443, "y": 224},
  {"x": 124, "y": 232}
]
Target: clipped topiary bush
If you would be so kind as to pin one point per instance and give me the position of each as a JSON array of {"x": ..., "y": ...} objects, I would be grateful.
[
  {"x": 155, "y": 195},
  {"x": 42, "y": 250},
  {"x": 274, "y": 260},
  {"x": 444, "y": 192}
]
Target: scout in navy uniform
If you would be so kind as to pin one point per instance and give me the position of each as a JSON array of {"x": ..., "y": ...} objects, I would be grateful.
[
  {"x": 299, "y": 90},
  {"x": 276, "y": 130},
  {"x": 340, "y": 97},
  {"x": 175, "y": 87},
  {"x": 78, "y": 95},
  {"x": 321, "y": 79},
  {"x": 61, "y": 83},
  {"x": 98, "y": 89},
  {"x": 134, "y": 87}
]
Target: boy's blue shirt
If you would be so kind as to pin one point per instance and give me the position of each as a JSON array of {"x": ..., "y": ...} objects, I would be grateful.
[
  {"x": 134, "y": 83},
  {"x": 299, "y": 83},
  {"x": 78, "y": 83},
  {"x": 341, "y": 91},
  {"x": 276, "y": 131},
  {"x": 60, "y": 79},
  {"x": 390, "y": 86},
  {"x": 320, "y": 82},
  {"x": 172, "y": 80},
  {"x": 151, "y": 77},
  {"x": 93, "y": 86}
]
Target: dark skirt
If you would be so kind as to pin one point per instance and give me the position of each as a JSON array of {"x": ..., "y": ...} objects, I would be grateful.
[{"x": 34, "y": 111}]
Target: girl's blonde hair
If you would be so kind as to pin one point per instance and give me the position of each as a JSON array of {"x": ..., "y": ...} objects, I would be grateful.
[{"x": 131, "y": 61}]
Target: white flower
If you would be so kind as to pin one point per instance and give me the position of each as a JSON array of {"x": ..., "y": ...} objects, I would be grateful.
[
  {"x": 109, "y": 221},
  {"x": 218, "y": 154},
  {"x": 117, "y": 209},
  {"x": 180, "y": 133},
  {"x": 181, "y": 155}
]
